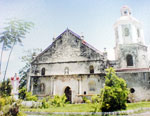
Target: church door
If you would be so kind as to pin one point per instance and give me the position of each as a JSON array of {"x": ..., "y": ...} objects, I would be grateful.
[{"x": 68, "y": 94}]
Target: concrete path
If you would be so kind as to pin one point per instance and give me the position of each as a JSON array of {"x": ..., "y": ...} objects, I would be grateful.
[{"x": 147, "y": 113}]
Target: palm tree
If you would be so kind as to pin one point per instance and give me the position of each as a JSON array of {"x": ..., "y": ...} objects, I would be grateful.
[
  {"x": 6, "y": 44},
  {"x": 15, "y": 32}
]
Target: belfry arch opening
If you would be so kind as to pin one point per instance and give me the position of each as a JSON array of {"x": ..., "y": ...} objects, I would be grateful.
[
  {"x": 129, "y": 60},
  {"x": 68, "y": 94}
]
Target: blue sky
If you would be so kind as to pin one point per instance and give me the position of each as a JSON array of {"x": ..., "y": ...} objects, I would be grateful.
[{"x": 93, "y": 18}]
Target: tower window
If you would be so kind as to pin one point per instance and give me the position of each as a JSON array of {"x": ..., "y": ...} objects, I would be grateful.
[
  {"x": 43, "y": 71},
  {"x": 91, "y": 68},
  {"x": 129, "y": 59},
  {"x": 138, "y": 32},
  {"x": 126, "y": 32},
  {"x": 125, "y": 12}
]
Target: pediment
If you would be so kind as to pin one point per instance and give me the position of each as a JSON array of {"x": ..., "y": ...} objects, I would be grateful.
[{"x": 69, "y": 46}]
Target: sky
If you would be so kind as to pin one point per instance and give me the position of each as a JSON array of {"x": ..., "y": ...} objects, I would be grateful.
[{"x": 92, "y": 18}]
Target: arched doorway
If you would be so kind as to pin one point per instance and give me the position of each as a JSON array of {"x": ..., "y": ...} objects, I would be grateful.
[{"x": 68, "y": 94}]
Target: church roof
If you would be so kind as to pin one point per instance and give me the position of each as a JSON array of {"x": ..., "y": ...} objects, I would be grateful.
[{"x": 76, "y": 35}]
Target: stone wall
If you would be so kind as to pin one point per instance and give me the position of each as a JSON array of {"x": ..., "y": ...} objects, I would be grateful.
[
  {"x": 140, "y": 82},
  {"x": 79, "y": 85}
]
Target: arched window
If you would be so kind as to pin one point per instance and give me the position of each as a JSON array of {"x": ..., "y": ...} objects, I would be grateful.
[
  {"x": 42, "y": 87},
  {"x": 92, "y": 86},
  {"x": 91, "y": 68},
  {"x": 43, "y": 71},
  {"x": 66, "y": 71},
  {"x": 129, "y": 59}
]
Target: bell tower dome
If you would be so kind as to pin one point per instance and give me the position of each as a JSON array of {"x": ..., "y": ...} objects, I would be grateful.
[
  {"x": 125, "y": 11},
  {"x": 129, "y": 39}
]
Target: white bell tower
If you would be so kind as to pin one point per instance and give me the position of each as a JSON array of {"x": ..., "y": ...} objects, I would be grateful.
[{"x": 130, "y": 49}]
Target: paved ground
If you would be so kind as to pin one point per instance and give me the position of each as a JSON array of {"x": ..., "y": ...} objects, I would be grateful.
[{"x": 147, "y": 113}]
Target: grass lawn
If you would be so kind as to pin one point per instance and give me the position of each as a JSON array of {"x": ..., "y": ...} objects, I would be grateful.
[
  {"x": 82, "y": 107},
  {"x": 132, "y": 106},
  {"x": 67, "y": 108}
]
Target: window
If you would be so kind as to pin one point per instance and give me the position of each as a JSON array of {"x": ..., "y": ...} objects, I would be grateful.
[
  {"x": 126, "y": 31},
  {"x": 43, "y": 71},
  {"x": 132, "y": 90},
  {"x": 129, "y": 59},
  {"x": 92, "y": 86},
  {"x": 138, "y": 32},
  {"x": 125, "y": 12},
  {"x": 66, "y": 71},
  {"x": 42, "y": 87},
  {"x": 144, "y": 76},
  {"x": 91, "y": 68}
]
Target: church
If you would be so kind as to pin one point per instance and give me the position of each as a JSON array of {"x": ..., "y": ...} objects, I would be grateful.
[{"x": 73, "y": 67}]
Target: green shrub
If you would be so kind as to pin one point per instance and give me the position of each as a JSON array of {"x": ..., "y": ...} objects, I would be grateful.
[
  {"x": 58, "y": 101},
  {"x": 114, "y": 94},
  {"x": 9, "y": 100},
  {"x": 84, "y": 98},
  {"x": 45, "y": 103},
  {"x": 95, "y": 100},
  {"x": 5, "y": 88},
  {"x": 2, "y": 103},
  {"x": 30, "y": 97},
  {"x": 22, "y": 93}
]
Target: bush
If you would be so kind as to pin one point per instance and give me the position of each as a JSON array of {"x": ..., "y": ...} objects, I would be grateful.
[
  {"x": 95, "y": 100},
  {"x": 45, "y": 103},
  {"x": 30, "y": 97},
  {"x": 114, "y": 94},
  {"x": 58, "y": 101},
  {"x": 9, "y": 107},
  {"x": 84, "y": 98},
  {"x": 9, "y": 100},
  {"x": 2, "y": 103},
  {"x": 22, "y": 93},
  {"x": 5, "y": 88}
]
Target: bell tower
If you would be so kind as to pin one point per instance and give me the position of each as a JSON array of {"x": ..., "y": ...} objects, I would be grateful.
[{"x": 130, "y": 48}]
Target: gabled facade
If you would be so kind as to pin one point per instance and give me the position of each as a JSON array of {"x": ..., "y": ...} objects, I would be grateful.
[{"x": 69, "y": 65}]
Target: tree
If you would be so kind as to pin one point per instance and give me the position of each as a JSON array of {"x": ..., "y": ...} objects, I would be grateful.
[
  {"x": 27, "y": 58},
  {"x": 6, "y": 44},
  {"x": 23, "y": 73},
  {"x": 13, "y": 33},
  {"x": 5, "y": 88},
  {"x": 114, "y": 94}
]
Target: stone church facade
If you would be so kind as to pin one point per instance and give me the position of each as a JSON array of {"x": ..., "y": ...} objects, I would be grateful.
[{"x": 73, "y": 67}]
